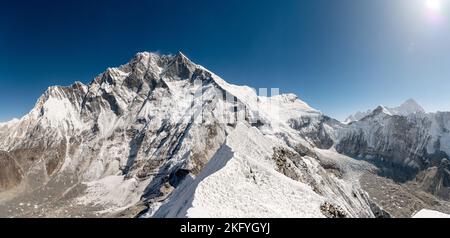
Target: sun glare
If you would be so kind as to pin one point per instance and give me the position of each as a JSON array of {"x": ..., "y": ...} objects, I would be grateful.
[{"x": 433, "y": 5}]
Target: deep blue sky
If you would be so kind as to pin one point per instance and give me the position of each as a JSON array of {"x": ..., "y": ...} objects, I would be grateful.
[{"x": 338, "y": 56}]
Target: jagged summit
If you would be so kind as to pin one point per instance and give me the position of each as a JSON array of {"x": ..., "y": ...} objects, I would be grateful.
[
  {"x": 409, "y": 107},
  {"x": 162, "y": 136},
  {"x": 12, "y": 121}
]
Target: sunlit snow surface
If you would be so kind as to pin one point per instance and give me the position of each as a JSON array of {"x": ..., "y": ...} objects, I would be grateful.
[
  {"x": 425, "y": 213},
  {"x": 241, "y": 181}
]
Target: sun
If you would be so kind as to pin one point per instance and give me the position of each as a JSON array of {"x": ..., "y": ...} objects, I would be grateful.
[{"x": 433, "y": 5}]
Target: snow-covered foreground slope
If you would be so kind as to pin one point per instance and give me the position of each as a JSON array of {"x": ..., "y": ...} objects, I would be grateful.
[{"x": 424, "y": 213}]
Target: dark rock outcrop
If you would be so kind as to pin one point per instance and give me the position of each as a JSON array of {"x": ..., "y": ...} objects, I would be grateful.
[{"x": 10, "y": 172}]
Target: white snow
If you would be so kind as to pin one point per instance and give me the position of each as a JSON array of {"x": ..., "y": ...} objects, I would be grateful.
[
  {"x": 407, "y": 108},
  {"x": 425, "y": 213}
]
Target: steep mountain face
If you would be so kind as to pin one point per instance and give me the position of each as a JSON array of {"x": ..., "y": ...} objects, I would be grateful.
[
  {"x": 161, "y": 136},
  {"x": 407, "y": 146}
]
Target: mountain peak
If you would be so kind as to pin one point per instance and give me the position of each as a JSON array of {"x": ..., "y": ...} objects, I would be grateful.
[
  {"x": 180, "y": 54},
  {"x": 181, "y": 58},
  {"x": 412, "y": 103},
  {"x": 381, "y": 109},
  {"x": 410, "y": 106}
]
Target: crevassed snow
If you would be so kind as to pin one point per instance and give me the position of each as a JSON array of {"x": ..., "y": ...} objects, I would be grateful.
[
  {"x": 409, "y": 107},
  {"x": 425, "y": 213}
]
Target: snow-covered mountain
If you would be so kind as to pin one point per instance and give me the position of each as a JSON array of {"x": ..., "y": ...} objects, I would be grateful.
[
  {"x": 164, "y": 137},
  {"x": 410, "y": 106},
  {"x": 430, "y": 214},
  {"x": 407, "y": 144}
]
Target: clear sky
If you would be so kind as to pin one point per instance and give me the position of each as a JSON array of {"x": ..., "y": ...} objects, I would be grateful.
[{"x": 338, "y": 56}]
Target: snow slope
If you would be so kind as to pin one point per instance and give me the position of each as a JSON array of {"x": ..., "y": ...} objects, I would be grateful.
[
  {"x": 425, "y": 213},
  {"x": 244, "y": 183}
]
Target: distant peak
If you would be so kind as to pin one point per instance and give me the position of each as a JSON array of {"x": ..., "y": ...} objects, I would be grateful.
[
  {"x": 382, "y": 109},
  {"x": 411, "y": 102},
  {"x": 410, "y": 106}
]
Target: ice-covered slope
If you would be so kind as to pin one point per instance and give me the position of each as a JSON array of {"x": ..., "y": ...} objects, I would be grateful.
[
  {"x": 161, "y": 128},
  {"x": 425, "y": 213}
]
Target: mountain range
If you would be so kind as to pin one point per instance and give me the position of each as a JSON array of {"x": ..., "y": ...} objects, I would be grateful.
[
  {"x": 410, "y": 106},
  {"x": 161, "y": 136}
]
